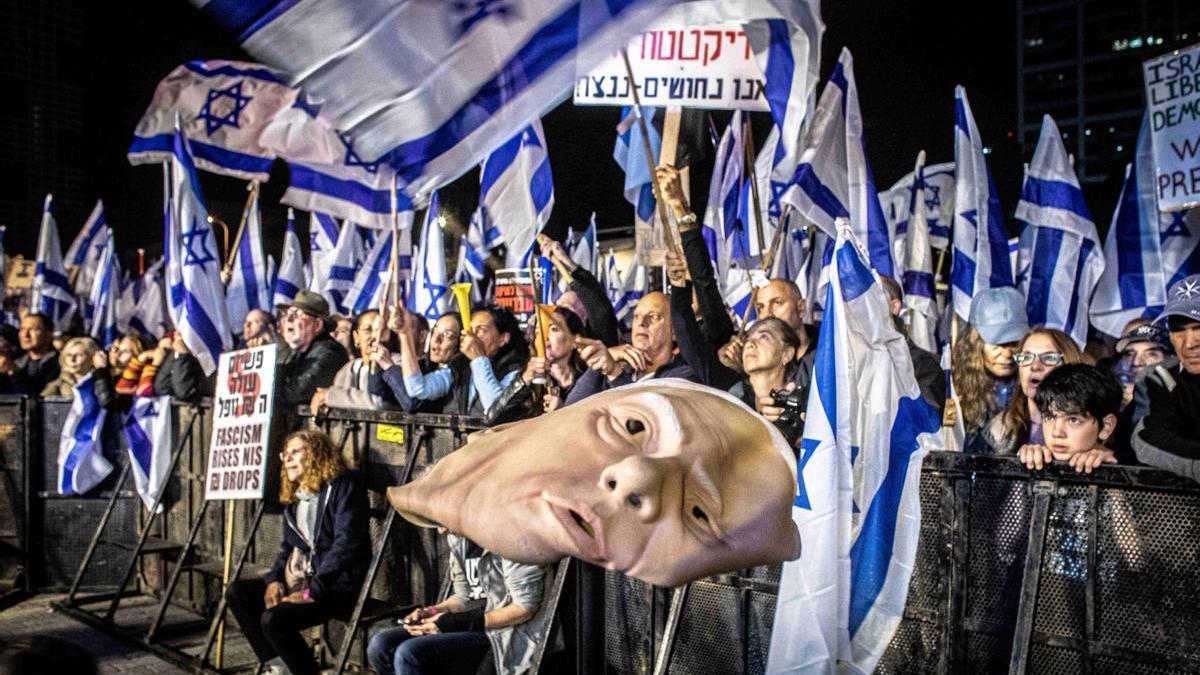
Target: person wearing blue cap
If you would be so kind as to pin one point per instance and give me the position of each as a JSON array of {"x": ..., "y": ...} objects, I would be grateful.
[
  {"x": 982, "y": 367},
  {"x": 1167, "y": 437}
]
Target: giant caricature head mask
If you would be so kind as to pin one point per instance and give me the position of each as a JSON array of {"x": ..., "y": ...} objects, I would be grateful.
[{"x": 666, "y": 481}]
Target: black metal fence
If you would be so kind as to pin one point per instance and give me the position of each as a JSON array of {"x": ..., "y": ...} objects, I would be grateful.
[{"x": 1096, "y": 573}]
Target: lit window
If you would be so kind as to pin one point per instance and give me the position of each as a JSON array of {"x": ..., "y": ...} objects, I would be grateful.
[{"x": 1120, "y": 148}]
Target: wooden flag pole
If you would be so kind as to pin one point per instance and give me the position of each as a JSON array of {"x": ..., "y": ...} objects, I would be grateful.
[
  {"x": 660, "y": 205},
  {"x": 229, "y": 503},
  {"x": 748, "y": 142},
  {"x": 241, "y": 231}
]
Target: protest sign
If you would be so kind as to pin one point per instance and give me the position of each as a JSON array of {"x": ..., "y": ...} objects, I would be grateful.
[
  {"x": 514, "y": 293},
  {"x": 1173, "y": 103},
  {"x": 710, "y": 66},
  {"x": 241, "y": 431}
]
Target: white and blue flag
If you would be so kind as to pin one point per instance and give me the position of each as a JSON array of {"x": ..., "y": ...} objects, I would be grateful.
[
  {"x": 833, "y": 179},
  {"x": 630, "y": 154},
  {"x": 610, "y": 279},
  {"x": 250, "y": 286},
  {"x": 374, "y": 275},
  {"x": 290, "y": 279},
  {"x": 148, "y": 434},
  {"x": 195, "y": 296},
  {"x": 142, "y": 306},
  {"x": 939, "y": 204},
  {"x": 516, "y": 192},
  {"x": 354, "y": 244},
  {"x": 428, "y": 87},
  {"x": 51, "y": 292},
  {"x": 920, "y": 314},
  {"x": 430, "y": 295},
  {"x": 1059, "y": 260},
  {"x": 105, "y": 295},
  {"x": 87, "y": 249},
  {"x": 858, "y": 509},
  {"x": 472, "y": 252},
  {"x": 795, "y": 250},
  {"x": 1146, "y": 251},
  {"x": 323, "y": 237},
  {"x": 980, "y": 260},
  {"x": 721, "y": 223},
  {"x": 223, "y": 107},
  {"x": 81, "y": 462},
  {"x": 631, "y": 291},
  {"x": 583, "y": 248}
]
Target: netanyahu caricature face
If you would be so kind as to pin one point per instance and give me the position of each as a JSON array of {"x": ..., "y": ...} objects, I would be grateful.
[{"x": 666, "y": 481}]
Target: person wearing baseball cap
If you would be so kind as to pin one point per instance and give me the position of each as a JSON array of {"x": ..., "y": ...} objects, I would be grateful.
[
  {"x": 982, "y": 365},
  {"x": 308, "y": 357},
  {"x": 1168, "y": 436}
]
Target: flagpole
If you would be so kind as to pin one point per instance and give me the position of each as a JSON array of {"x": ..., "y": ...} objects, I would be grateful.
[
  {"x": 141, "y": 261},
  {"x": 660, "y": 206},
  {"x": 750, "y": 167},
  {"x": 237, "y": 240}
]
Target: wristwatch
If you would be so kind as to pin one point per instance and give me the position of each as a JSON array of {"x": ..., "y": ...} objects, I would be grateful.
[{"x": 687, "y": 221}]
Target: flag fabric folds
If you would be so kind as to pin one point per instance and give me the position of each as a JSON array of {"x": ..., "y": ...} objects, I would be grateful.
[
  {"x": 724, "y": 195},
  {"x": 939, "y": 204},
  {"x": 857, "y": 505},
  {"x": 105, "y": 295},
  {"x": 290, "y": 279},
  {"x": 87, "y": 248},
  {"x": 141, "y": 307},
  {"x": 429, "y": 87},
  {"x": 980, "y": 259},
  {"x": 51, "y": 292},
  {"x": 195, "y": 296},
  {"x": 430, "y": 295},
  {"x": 583, "y": 251},
  {"x": 223, "y": 107},
  {"x": 630, "y": 154},
  {"x": 918, "y": 281},
  {"x": 472, "y": 252},
  {"x": 516, "y": 192},
  {"x": 833, "y": 179},
  {"x": 631, "y": 291},
  {"x": 81, "y": 462},
  {"x": 147, "y": 429},
  {"x": 250, "y": 285},
  {"x": 323, "y": 237},
  {"x": 374, "y": 275},
  {"x": 354, "y": 244},
  {"x": 1059, "y": 260}
]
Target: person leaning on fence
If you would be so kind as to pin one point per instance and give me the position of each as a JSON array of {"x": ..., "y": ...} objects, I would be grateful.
[
  {"x": 1168, "y": 437},
  {"x": 180, "y": 374},
  {"x": 558, "y": 372},
  {"x": 39, "y": 365},
  {"x": 308, "y": 357},
  {"x": 350, "y": 385},
  {"x": 493, "y": 622},
  {"x": 930, "y": 377},
  {"x": 392, "y": 367},
  {"x": 1020, "y": 423},
  {"x": 982, "y": 366},
  {"x": 322, "y": 561},
  {"x": 1078, "y": 404}
]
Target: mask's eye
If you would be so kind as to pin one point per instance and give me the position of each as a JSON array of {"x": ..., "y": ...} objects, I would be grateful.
[
  {"x": 699, "y": 514},
  {"x": 634, "y": 426}
]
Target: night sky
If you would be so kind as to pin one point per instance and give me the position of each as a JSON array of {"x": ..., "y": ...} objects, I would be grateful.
[{"x": 907, "y": 57}]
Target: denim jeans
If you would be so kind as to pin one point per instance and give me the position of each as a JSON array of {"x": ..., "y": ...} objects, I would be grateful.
[{"x": 394, "y": 651}]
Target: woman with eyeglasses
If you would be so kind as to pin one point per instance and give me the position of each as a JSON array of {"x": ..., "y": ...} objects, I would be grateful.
[
  {"x": 394, "y": 367},
  {"x": 1036, "y": 355},
  {"x": 322, "y": 560},
  {"x": 982, "y": 367},
  {"x": 545, "y": 381}
]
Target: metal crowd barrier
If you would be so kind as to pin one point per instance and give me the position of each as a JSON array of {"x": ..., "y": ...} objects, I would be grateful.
[{"x": 1018, "y": 571}]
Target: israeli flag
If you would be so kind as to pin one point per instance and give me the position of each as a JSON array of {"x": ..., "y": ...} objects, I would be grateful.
[
  {"x": 87, "y": 249},
  {"x": 583, "y": 250},
  {"x": 939, "y": 204},
  {"x": 737, "y": 289},
  {"x": 858, "y": 507},
  {"x": 105, "y": 294},
  {"x": 430, "y": 295},
  {"x": 371, "y": 282},
  {"x": 630, "y": 154},
  {"x": 610, "y": 279},
  {"x": 632, "y": 290},
  {"x": 833, "y": 179},
  {"x": 328, "y": 174},
  {"x": 795, "y": 249},
  {"x": 250, "y": 286},
  {"x": 81, "y": 462},
  {"x": 223, "y": 107},
  {"x": 516, "y": 192},
  {"x": 142, "y": 308},
  {"x": 323, "y": 233},
  {"x": 1145, "y": 251},
  {"x": 51, "y": 292},
  {"x": 1059, "y": 261},
  {"x": 980, "y": 259},
  {"x": 291, "y": 267},
  {"x": 195, "y": 296},
  {"x": 724, "y": 196},
  {"x": 148, "y": 434},
  {"x": 428, "y": 87},
  {"x": 918, "y": 281},
  {"x": 472, "y": 253},
  {"x": 353, "y": 247}
]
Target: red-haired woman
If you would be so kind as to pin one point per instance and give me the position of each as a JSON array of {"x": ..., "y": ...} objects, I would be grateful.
[{"x": 322, "y": 561}]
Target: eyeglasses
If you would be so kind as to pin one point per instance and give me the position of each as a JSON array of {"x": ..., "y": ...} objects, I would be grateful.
[
  {"x": 295, "y": 314},
  {"x": 446, "y": 335},
  {"x": 292, "y": 451},
  {"x": 1047, "y": 358}
]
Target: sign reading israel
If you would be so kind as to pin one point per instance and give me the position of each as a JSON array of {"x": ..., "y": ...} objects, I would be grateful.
[
  {"x": 709, "y": 66},
  {"x": 1173, "y": 102},
  {"x": 237, "y": 456}
]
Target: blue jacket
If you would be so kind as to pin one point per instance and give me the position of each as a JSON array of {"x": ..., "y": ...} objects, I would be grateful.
[{"x": 342, "y": 541}]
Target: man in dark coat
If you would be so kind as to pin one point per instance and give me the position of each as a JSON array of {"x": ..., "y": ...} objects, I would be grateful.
[{"x": 308, "y": 357}]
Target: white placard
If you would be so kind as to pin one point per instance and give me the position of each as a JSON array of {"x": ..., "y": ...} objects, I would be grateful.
[
  {"x": 241, "y": 431},
  {"x": 1173, "y": 102},
  {"x": 709, "y": 66}
]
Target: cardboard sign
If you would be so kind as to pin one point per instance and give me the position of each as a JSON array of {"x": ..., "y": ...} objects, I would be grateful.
[
  {"x": 1173, "y": 103},
  {"x": 241, "y": 431},
  {"x": 514, "y": 292},
  {"x": 20, "y": 272},
  {"x": 709, "y": 66}
]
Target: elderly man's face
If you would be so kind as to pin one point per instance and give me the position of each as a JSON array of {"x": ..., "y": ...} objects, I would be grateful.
[
  {"x": 254, "y": 325},
  {"x": 1185, "y": 336},
  {"x": 664, "y": 482},
  {"x": 300, "y": 328},
  {"x": 652, "y": 323},
  {"x": 780, "y": 300}
]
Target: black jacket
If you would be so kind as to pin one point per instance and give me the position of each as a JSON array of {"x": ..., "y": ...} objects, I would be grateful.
[
  {"x": 31, "y": 377},
  {"x": 517, "y": 402},
  {"x": 300, "y": 374},
  {"x": 182, "y": 378},
  {"x": 342, "y": 542},
  {"x": 600, "y": 316},
  {"x": 718, "y": 327}
]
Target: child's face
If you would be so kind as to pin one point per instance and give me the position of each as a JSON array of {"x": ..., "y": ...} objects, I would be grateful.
[{"x": 1069, "y": 434}]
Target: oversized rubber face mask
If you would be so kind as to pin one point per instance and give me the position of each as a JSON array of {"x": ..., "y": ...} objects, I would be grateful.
[{"x": 666, "y": 481}]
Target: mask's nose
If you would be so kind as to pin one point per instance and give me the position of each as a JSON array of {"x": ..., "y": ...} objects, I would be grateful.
[{"x": 635, "y": 484}]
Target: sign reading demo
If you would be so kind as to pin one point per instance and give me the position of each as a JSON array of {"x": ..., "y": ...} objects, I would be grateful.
[{"x": 1173, "y": 103}]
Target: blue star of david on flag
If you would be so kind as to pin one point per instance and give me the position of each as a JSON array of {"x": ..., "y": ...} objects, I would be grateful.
[
  {"x": 190, "y": 255},
  {"x": 470, "y": 12},
  {"x": 777, "y": 190},
  {"x": 352, "y": 158},
  {"x": 1177, "y": 228},
  {"x": 223, "y": 107},
  {"x": 808, "y": 446}
]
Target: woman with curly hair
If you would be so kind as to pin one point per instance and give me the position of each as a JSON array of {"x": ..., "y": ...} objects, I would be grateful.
[
  {"x": 981, "y": 362},
  {"x": 1037, "y": 354},
  {"x": 322, "y": 561}
]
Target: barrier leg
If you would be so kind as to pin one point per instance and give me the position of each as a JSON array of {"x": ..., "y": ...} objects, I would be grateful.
[
  {"x": 1043, "y": 491},
  {"x": 176, "y": 573},
  {"x": 219, "y": 616},
  {"x": 665, "y": 649},
  {"x": 364, "y": 594},
  {"x": 91, "y": 549}
]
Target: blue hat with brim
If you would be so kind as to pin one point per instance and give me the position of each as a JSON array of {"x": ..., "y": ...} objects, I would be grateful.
[
  {"x": 999, "y": 315},
  {"x": 1183, "y": 299}
]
